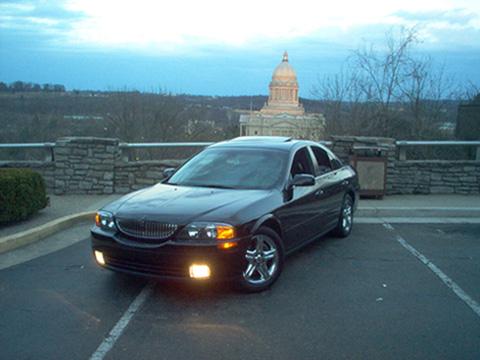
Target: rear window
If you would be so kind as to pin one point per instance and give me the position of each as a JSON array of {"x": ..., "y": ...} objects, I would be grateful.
[{"x": 323, "y": 160}]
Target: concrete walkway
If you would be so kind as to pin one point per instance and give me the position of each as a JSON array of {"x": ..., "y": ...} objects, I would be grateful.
[
  {"x": 416, "y": 201},
  {"x": 421, "y": 206},
  {"x": 59, "y": 206}
]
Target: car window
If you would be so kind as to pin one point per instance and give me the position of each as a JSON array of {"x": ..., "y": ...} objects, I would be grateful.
[
  {"x": 336, "y": 162},
  {"x": 233, "y": 168},
  {"x": 302, "y": 163},
  {"x": 323, "y": 160}
]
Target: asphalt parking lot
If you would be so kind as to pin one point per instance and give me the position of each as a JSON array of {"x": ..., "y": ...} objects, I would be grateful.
[{"x": 365, "y": 297}]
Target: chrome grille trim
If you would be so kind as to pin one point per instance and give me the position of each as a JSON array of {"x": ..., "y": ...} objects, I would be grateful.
[{"x": 146, "y": 229}]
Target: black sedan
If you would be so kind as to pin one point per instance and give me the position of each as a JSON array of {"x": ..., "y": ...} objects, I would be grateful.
[{"x": 232, "y": 212}]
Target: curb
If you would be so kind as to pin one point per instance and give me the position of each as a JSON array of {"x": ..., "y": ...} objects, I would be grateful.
[
  {"x": 26, "y": 237},
  {"x": 416, "y": 220},
  {"x": 419, "y": 212}
]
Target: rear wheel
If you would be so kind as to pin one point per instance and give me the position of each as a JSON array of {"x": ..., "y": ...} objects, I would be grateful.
[
  {"x": 264, "y": 261},
  {"x": 345, "y": 221}
]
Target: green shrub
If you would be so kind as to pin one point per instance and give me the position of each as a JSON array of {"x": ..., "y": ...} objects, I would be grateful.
[{"x": 22, "y": 193}]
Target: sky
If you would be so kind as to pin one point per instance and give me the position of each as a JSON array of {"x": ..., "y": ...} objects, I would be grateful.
[{"x": 213, "y": 47}]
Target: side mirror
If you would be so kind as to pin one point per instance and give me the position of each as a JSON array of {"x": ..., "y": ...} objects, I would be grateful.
[
  {"x": 168, "y": 172},
  {"x": 303, "y": 180},
  {"x": 298, "y": 180}
]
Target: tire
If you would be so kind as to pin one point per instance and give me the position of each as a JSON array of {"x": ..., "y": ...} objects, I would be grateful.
[
  {"x": 345, "y": 221},
  {"x": 262, "y": 269}
]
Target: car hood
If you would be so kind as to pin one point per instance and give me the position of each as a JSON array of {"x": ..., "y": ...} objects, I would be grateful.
[{"x": 182, "y": 204}]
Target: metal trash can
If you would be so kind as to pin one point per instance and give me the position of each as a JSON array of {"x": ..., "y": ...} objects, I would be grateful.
[{"x": 371, "y": 165}]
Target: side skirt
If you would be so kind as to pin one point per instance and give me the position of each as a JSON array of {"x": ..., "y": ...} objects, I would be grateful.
[{"x": 308, "y": 241}]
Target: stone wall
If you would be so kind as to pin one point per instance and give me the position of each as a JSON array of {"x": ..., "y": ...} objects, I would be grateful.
[
  {"x": 435, "y": 177},
  {"x": 414, "y": 176},
  {"x": 135, "y": 175},
  {"x": 343, "y": 146},
  {"x": 87, "y": 165},
  {"x": 346, "y": 146}
]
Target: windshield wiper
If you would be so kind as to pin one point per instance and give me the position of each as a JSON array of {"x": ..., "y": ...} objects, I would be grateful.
[{"x": 215, "y": 186}]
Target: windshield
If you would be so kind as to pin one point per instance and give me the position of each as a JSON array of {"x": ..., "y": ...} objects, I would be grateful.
[{"x": 233, "y": 169}]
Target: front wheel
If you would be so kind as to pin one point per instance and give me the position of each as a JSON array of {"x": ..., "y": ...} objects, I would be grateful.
[
  {"x": 264, "y": 261},
  {"x": 345, "y": 221}
]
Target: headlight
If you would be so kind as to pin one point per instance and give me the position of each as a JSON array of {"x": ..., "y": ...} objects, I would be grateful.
[
  {"x": 203, "y": 231},
  {"x": 105, "y": 221}
]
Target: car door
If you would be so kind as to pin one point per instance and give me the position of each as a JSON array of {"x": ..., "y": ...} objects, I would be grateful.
[
  {"x": 298, "y": 213},
  {"x": 341, "y": 181},
  {"x": 330, "y": 189}
]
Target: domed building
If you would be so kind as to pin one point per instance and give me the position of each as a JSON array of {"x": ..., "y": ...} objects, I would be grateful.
[{"x": 282, "y": 114}]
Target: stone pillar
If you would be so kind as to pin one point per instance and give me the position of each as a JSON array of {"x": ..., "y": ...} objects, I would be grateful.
[
  {"x": 85, "y": 165},
  {"x": 343, "y": 147}
]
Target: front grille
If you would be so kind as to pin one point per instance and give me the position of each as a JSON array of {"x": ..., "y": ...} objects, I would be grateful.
[{"x": 146, "y": 229}]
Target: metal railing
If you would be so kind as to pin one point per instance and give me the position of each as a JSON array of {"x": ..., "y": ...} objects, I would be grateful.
[
  {"x": 157, "y": 145},
  {"x": 143, "y": 151},
  {"x": 403, "y": 145},
  {"x": 180, "y": 144},
  {"x": 164, "y": 144},
  {"x": 49, "y": 146}
]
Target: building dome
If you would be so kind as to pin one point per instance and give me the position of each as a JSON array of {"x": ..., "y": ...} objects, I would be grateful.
[
  {"x": 284, "y": 72},
  {"x": 283, "y": 96},
  {"x": 283, "y": 114}
]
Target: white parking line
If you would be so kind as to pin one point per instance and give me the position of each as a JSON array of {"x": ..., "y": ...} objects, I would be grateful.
[
  {"x": 388, "y": 226},
  {"x": 122, "y": 324},
  {"x": 418, "y": 220},
  {"x": 452, "y": 285}
]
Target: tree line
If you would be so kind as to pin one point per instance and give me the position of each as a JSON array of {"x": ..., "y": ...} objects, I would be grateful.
[
  {"x": 131, "y": 116},
  {"x": 21, "y": 86}
]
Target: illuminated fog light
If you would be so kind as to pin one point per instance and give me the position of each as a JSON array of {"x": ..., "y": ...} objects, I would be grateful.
[
  {"x": 226, "y": 245},
  {"x": 199, "y": 271},
  {"x": 99, "y": 257}
]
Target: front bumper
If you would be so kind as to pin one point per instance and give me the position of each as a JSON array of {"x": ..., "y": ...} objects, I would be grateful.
[{"x": 169, "y": 260}]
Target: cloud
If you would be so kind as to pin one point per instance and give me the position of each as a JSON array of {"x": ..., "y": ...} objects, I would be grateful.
[
  {"x": 47, "y": 22},
  {"x": 455, "y": 17},
  {"x": 195, "y": 27}
]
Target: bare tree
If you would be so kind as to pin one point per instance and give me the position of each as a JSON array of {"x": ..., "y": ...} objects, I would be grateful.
[
  {"x": 125, "y": 120},
  {"x": 425, "y": 91},
  {"x": 336, "y": 90},
  {"x": 167, "y": 123},
  {"x": 471, "y": 92},
  {"x": 145, "y": 117},
  {"x": 386, "y": 93}
]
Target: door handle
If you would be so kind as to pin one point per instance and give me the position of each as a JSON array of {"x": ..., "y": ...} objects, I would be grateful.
[{"x": 319, "y": 192}]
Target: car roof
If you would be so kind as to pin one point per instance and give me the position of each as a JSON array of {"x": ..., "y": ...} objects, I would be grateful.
[{"x": 264, "y": 142}]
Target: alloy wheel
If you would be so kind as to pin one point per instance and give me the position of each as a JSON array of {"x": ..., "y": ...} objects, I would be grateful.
[
  {"x": 347, "y": 216},
  {"x": 262, "y": 260}
]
